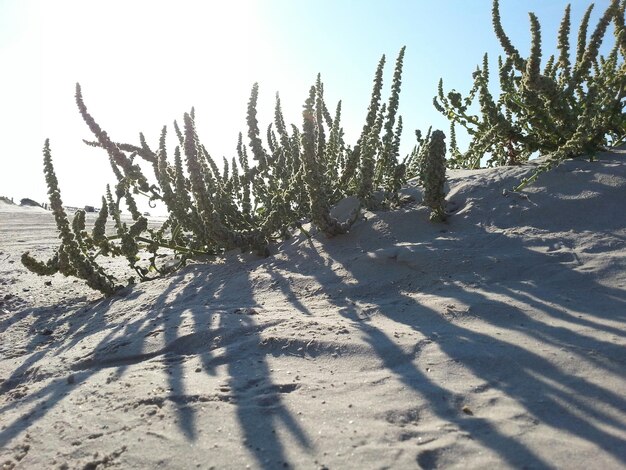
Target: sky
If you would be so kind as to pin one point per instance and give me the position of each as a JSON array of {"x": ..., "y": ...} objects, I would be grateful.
[{"x": 143, "y": 63}]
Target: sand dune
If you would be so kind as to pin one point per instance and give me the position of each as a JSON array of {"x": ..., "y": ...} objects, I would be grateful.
[{"x": 496, "y": 340}]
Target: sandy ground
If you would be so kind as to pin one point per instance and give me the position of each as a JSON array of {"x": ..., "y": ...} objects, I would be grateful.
[{"x": 496, "y": 340}]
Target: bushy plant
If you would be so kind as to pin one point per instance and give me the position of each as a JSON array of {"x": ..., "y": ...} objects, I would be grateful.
[
  {"x": 426, "y": 164},
  {"x": 257, "y": 197},
  {"x": 71, "y": 258},
  {"x": 563, "y": 110},
  {"x": 433, "y": 174}
]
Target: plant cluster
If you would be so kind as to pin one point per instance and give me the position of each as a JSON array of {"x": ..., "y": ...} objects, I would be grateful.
[
  {"x": 573, "y": 105},
  {"x": 566, "y": 109},
  {"x": 259, "y": 196}
]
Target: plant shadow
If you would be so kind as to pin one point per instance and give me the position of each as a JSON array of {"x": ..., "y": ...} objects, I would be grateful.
[{"x": 515, "y": 284}]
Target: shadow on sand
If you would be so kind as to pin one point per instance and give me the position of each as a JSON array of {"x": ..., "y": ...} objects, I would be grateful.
[{"x": 549, "y": 394}]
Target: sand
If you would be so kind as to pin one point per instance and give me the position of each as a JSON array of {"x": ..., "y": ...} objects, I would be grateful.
[{"x": 495, "y": 340}]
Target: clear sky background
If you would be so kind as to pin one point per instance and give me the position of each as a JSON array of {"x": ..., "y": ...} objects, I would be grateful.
[{"x": 143, "y": 63}]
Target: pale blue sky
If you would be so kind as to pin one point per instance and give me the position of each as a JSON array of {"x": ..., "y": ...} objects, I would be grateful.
[{"x": 143, "y": 63}]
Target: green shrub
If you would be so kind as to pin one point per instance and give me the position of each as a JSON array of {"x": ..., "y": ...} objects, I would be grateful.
[
  {"x": 259, "y": 196},
  {"x": 434, "y": 176},
  {"x": 71, "y": 258},
  {"x": 267, "y": 190},
  {"x": 565, "y": 110}
]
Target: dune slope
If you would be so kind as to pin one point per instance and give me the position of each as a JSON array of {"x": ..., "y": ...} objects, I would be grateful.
[{"x": 495, "y": 340}]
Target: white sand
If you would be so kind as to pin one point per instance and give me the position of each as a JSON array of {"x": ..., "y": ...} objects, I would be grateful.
[{"x": 496, "y": 340}]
